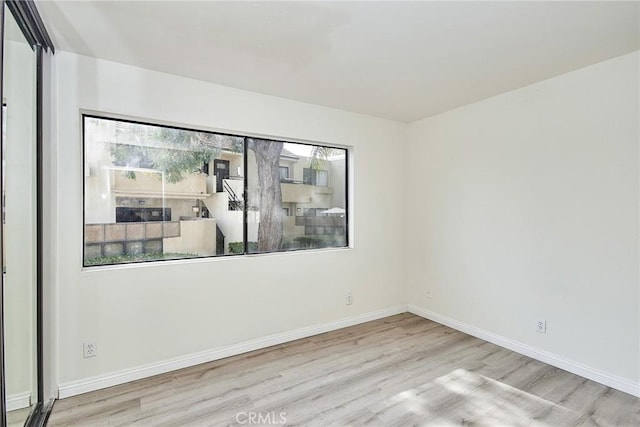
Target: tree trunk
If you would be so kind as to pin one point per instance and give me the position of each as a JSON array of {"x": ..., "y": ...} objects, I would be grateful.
[{"x": 270, "y": 193}]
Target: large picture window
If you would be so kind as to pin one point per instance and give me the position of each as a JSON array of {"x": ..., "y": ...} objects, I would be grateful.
[{"x": 154, "y": 192}]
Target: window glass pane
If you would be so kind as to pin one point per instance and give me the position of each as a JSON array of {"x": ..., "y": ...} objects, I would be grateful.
[
  {"x": 155, "y": 192},
  {"x": 284, "y": 172},
  {"x": 308, "y": 176},
  {"x": 150, "y": 195},
  {"x": 318, "y": 210},
  {"x": 322, "y": 178}
]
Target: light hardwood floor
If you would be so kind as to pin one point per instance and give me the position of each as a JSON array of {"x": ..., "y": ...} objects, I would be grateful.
[
  {"x": 398, "y": 371},
  {"x": 18, "y": 417}
]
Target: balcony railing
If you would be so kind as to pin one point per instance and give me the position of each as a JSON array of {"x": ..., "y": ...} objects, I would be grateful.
[{"x": 148, "y": 183}]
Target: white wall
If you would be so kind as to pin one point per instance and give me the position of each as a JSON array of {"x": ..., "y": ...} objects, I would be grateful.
[
  {"x": 519, "y": 207},
  {"x": 525, "y": 206},
  {"x": 144, "y": 314}
]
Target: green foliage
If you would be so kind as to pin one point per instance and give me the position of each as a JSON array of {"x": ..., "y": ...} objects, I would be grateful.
[
  {"x": 127, "y": 258},
  {"x": 174, "y": 163},
  {"x": 311, "y": 242},
  {"x": 238, "y": 247},
  {"x": 319, "y": 156},
  {"x": 300, "y": 242},
  {"x": 175, "y": 152}
]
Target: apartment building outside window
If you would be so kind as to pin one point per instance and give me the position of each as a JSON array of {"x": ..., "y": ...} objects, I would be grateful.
[{"x": 155, "y": 192}]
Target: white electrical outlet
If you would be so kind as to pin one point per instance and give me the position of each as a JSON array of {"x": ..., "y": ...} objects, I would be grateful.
[
  {"x": 349, "y": 300},
  {"x": 90, "y": 349},
  {"x": 541, "y": 326}
]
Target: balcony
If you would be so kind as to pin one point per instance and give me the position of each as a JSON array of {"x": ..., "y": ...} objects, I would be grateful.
[
  {"x": 150, "y": 184},
  {"x": 297, "y": 192}
]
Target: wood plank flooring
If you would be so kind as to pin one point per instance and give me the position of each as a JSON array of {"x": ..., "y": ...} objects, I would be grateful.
[
  {"x": 18, "y": 417},
  {"x": 398, "y": 371}
]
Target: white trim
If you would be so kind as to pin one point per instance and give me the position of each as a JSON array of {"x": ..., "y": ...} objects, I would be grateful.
[
  {"x": 585, "y": 371},
  {"x": 18, "y": 401},
  {"x": 120, "y": 377}
]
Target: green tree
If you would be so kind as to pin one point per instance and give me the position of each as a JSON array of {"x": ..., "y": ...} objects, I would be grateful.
[
  {"x": 175, "y": 152},
  {"x": 319, "y": 156},
  {"x": 267, "y": 152},
  {"x": 178, "y": 152}
]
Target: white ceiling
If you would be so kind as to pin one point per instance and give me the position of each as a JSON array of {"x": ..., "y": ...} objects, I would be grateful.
[{"x": 398, "y": 60}]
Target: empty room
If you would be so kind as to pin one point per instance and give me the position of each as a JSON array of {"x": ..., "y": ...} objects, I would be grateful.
[{"x": 320, "y": 213}]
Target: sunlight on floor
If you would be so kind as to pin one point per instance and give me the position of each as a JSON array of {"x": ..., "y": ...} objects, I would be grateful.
[{"x": 473, "y": 398}]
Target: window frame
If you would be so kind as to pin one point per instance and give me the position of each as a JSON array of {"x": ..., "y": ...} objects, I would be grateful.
[{"x": 85, "y": 114}]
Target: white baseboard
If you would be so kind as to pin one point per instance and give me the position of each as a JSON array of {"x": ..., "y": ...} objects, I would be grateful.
[
  {"x": 597, "y": 375},
  {"x": 18, "y": 401},
  {"x": 115, "y": 378},
  {"x": 120, "y": 377}
]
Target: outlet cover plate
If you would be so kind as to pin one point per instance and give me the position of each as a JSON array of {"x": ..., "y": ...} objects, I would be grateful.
[{"x": 90, "y": 349}]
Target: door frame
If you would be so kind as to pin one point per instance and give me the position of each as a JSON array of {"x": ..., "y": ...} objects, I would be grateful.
[
  {"x": 26, "y": 15},
  {"x": 219, "y": 183}
]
